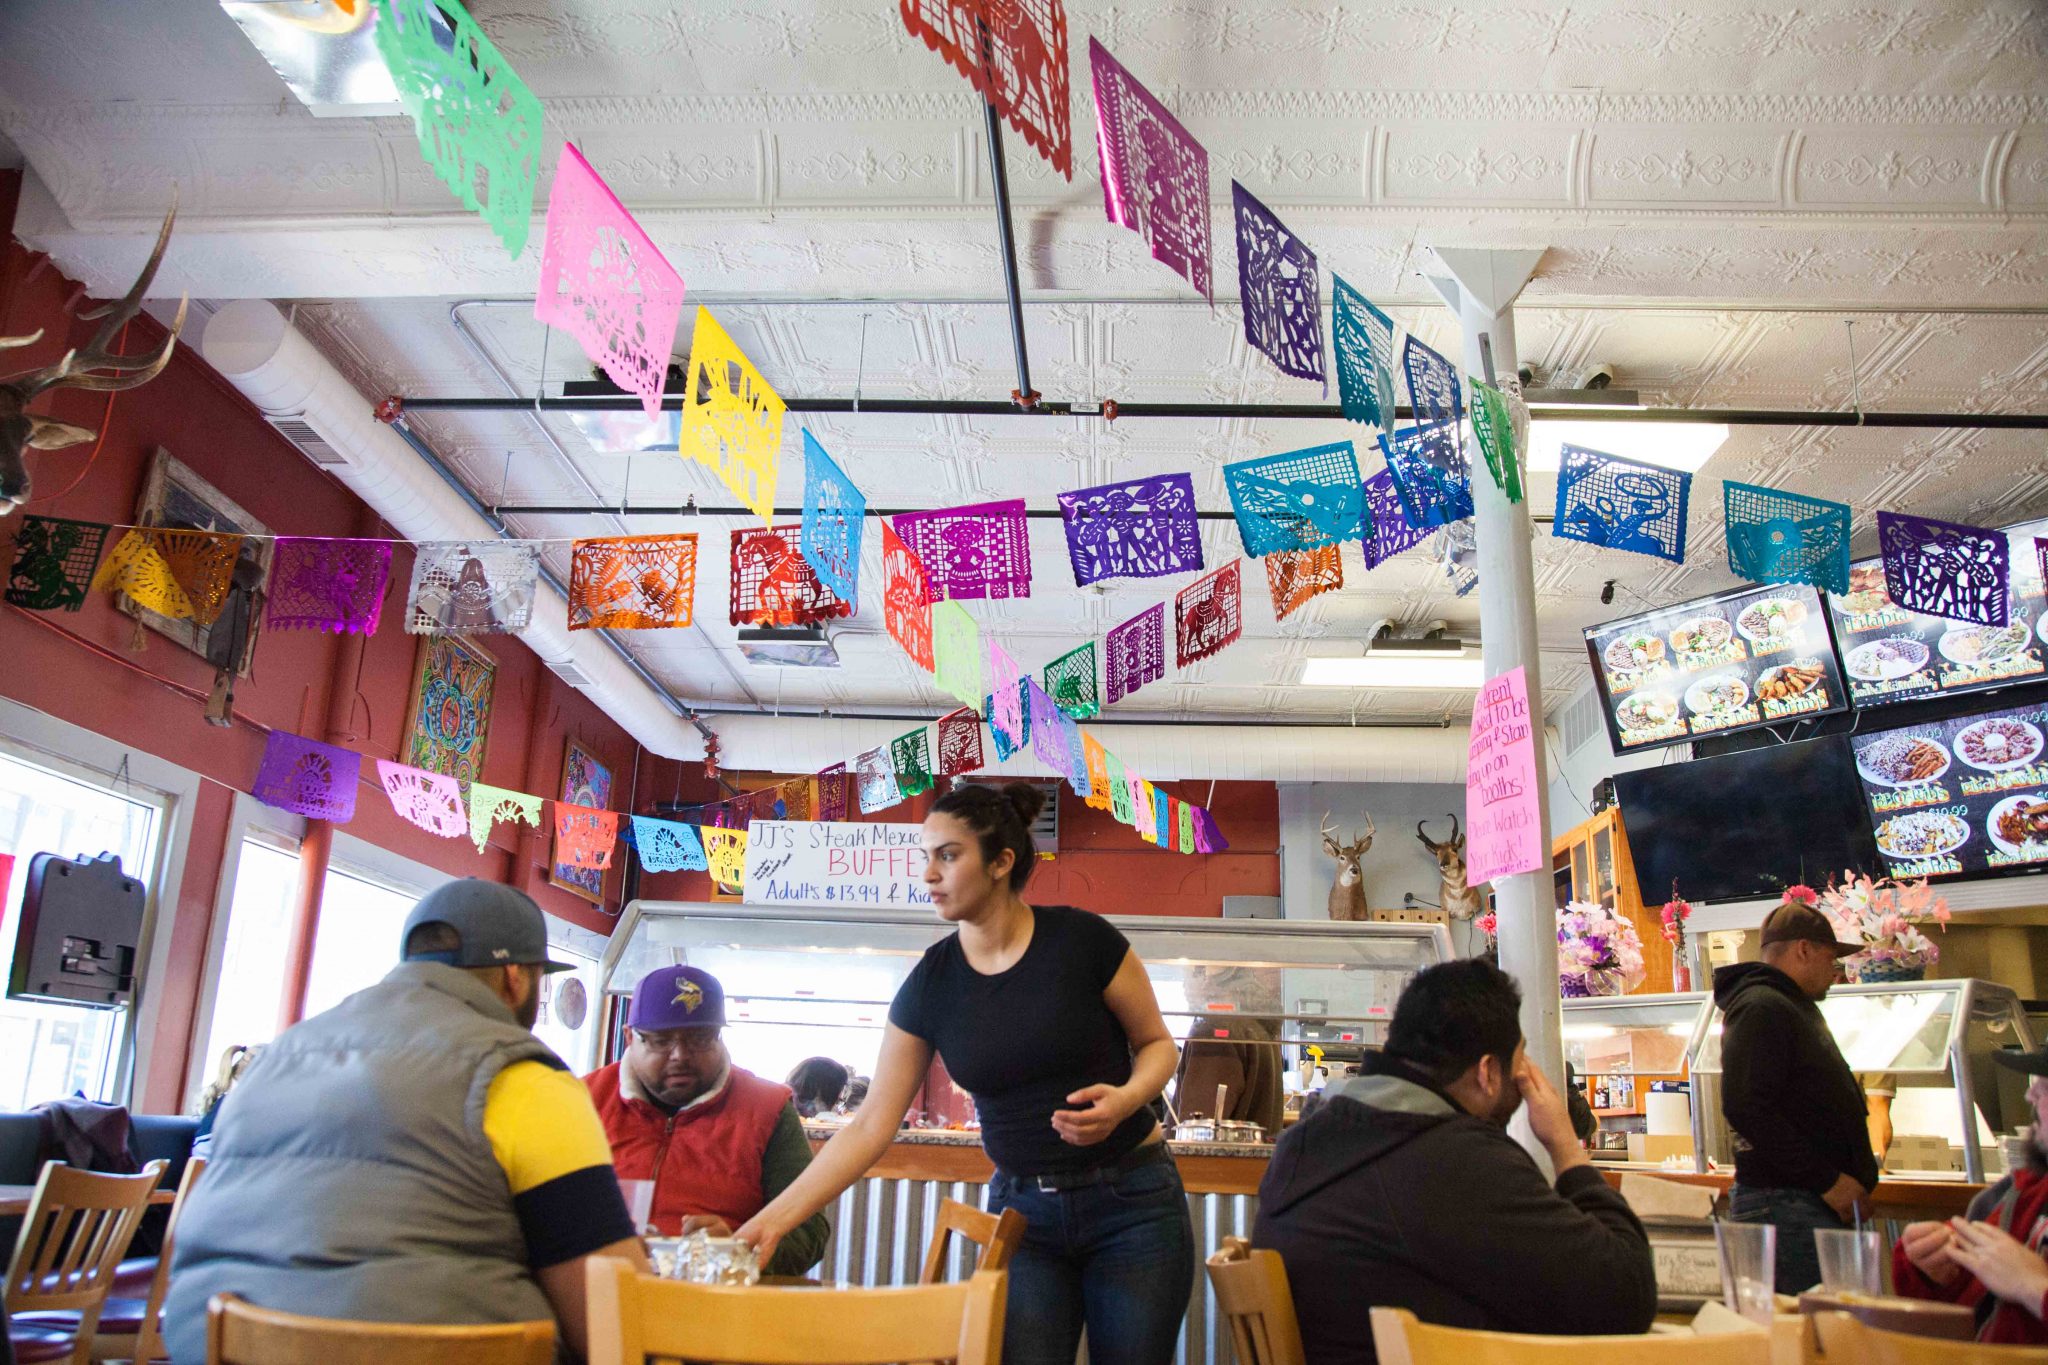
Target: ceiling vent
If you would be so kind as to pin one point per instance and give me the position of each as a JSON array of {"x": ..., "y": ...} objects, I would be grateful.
[
  {"x": 311, "y": 443},
  {"x": 568, "y": 672}
]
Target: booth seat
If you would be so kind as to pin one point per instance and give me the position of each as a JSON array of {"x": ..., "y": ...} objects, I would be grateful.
[{"x": 151, "y": 1137}]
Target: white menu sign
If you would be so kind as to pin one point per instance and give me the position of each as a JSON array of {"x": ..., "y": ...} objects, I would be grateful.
[{"x": 827, "y": 862}]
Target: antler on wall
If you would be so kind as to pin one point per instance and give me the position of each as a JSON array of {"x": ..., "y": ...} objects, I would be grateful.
[{"x": 95, "y": 368}]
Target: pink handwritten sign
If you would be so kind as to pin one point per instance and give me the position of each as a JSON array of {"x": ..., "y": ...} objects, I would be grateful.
[{"x": 1502, "y": 823}]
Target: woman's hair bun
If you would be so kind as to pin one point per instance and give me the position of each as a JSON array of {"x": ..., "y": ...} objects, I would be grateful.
[{"x": 1025, "y": 799}]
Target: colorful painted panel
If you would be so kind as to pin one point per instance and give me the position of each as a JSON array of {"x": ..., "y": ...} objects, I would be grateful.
[
  {"x": 732, "y": 419},
  {"x": 1364, "y": 343},
  {"x": 1623, "y": 504},
  {"x": 1155, "y": 176},
  {"x": 1780, "y": 537},
  {"x": 1279, "y": 289},
  {"x": 1135, "y": 652},
  {"x": 472, "y": 588},
  {"x": 633, "y": 582},
  {"x": 773, "y": 584},
  {"x": 1142, "y": 528},
  {"x": 1297, "y": 500},
  {"x": 450, "y": 716},
  {"x": 980, "y": 551},
  {"x": 834, "y": 513},
  {"x": 587, "y": 783},
  {"x": 1208, "y": 614}
]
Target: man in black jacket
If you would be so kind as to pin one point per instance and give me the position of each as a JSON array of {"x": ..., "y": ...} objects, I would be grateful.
[
  {"x": 1405, "y": 1190},
  {"x": 1794, "y": 1109}
]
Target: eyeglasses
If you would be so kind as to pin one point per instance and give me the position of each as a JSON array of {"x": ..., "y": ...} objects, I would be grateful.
[{"x": 695, "y": 1041}]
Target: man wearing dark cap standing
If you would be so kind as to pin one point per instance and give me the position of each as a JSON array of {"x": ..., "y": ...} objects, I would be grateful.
[
  {"x": 715, "y": 1143},
  {"x": 414, "y": 1154},
  {"x": 1794, "y": 1109},
  {"x": 1995, "y": 1259}
]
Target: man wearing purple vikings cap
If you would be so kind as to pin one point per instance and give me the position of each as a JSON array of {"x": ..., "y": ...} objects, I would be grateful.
[{"x": 717, "y": 1142}]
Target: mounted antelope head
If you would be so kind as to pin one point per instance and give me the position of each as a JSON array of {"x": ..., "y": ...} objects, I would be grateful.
[
  {"x": 1458, "y": 900},
  {"x": 21, "y": 430},
  {"x": 1347, "y": 893}
]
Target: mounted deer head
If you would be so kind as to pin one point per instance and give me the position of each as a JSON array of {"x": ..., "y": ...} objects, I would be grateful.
[
  {"x": 1458, "y": 900},
  {"x": 1347, "y": 893},
  {"x": 21, "y": 430}
]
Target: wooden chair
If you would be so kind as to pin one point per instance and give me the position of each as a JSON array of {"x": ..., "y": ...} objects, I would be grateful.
[
  {"x": 1403, "y": 1340},
  {"x": 77, "y": 1229},
  {"x": 1252, "y": 1293},
  {"x": 634, "y": 1315},
  {"x": 132, "y": 1328},
  {"x": 1843, "y": 1338},
  {"x": 239, "y": 1333},
  {"x": 996, "y": 1235}
]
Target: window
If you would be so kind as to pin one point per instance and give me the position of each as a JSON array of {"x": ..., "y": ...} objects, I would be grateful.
[
  {"x": 245, "y": 1000},
  {"x": 569, "y": 1007},
  {"x": 360, "y": 926},
  {"x": 49, "y": 1052}
]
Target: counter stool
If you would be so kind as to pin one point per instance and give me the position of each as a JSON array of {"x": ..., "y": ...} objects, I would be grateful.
[
  {"x": 996, "y": 1235},
  {"x": 78, "y": 1227},
  {"x": 1402, "y": 1339},
  {"x": 1253, "y": 1294},
  {"x": 240, "y": 1333}
]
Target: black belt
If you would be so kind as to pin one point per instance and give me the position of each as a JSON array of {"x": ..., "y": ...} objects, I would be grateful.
[{"x": 1058, "y": 1182}]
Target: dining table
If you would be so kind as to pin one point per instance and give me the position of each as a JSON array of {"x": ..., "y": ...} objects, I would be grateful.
[{"x": 15, "y": 1199}]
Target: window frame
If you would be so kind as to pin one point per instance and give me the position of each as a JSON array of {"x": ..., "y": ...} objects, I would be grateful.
[{"x": 44, "y": 741}]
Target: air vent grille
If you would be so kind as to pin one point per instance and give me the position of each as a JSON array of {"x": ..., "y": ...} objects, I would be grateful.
[
  {"x": 310, "y": 442},
  {"x": 568, "y": 672},
  {"x": 1580, "y": 723}
]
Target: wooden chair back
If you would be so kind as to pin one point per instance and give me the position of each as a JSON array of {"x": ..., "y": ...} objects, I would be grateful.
[
  {"x": 1842, "y": 1337},
  {"x": 1252, "y": 1293},
  {"x": 77, "y": 1229},
  {"x": 149, "y": 1343},
  {"x": 996, "y": 1234},
  {"x": 240, "y": 1333},
  {"x": 1403, "y": 1340},
  {"x": 635, "y": 1315}
]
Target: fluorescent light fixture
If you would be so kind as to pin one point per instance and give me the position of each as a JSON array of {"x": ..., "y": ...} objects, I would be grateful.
[
  {"x": 1381, "y": 669},
  {"x": 1672, "y": 445},
  {"x": 323, "y": 51},
  {"x": 627, "y": 433}
]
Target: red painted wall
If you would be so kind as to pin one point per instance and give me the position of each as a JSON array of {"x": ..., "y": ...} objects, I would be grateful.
[{"x": 85, "y": 667}]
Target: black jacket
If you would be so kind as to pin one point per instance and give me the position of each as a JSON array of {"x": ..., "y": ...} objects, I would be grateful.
[
  {"x": 1797, "y": 1114},
  {"x": 1390, "y": 1195}
]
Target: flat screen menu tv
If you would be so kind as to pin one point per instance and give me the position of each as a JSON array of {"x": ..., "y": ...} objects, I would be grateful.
[
  {"x": 1893, "y": 655},
  {"x": 1967, "y": 795},
  {"x": 1754, "y": 656},
  {"x": 1746, "y": 824}
]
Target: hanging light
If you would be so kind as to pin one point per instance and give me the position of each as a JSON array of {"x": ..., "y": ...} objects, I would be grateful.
[{"x": 1685, "y": 446}]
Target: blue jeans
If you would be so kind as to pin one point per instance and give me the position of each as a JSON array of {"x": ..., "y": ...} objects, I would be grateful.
[
  {"x": 1118, "y": 1257},
  {"x": 1796, "y": 1214}
]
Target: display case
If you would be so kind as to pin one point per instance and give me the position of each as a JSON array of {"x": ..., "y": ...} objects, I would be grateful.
[
  {"x": 1930, "y": 1045},
  {"x": 805, "y": 982},
  {"x": 1622, "y": 1047}
]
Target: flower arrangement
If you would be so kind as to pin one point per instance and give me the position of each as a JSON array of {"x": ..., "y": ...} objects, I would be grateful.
[
  {"x": 1677, "y": 911},
  {"x": 1598, "y": 951},
  {"x": 1801, "y": 892},
  {"x": 1880, "y": 915},
  {"x": 1489, "y": 924}
]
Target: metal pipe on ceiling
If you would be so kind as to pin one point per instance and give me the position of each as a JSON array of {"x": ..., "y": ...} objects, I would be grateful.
[
  {"x": 1025, "y": 396},
  {"x": 1118, "y": 411}
]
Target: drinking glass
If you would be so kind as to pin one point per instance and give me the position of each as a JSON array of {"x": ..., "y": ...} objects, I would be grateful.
[
  {"x": 1749, "y": 1261},
  {"x": 1850, "y": 1260}
]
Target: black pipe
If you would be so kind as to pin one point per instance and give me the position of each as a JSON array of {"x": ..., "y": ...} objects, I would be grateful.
[
  {"x": 999, "y": 170},
  {"x": 1734, "y": 417}
]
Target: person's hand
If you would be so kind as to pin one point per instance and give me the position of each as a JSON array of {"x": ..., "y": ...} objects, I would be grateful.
[
  {"x": 1927, "y": 1247},
  {"x": 1847, "y": 1198},
  {"x": 2001, "y": 1262},
  {"x": 1101, "y": 1109},
  {"x": 763, "y": 1237},
  {"x": 1549, "y": 1117},
  {"x": 709, "y": 1224}
]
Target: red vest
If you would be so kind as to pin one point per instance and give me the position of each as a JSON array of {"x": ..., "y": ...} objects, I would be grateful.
[{"x": 705, "y": 1159}]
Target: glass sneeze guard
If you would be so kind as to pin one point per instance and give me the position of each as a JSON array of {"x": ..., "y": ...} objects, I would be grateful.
[{"x": 806, "y": 982}]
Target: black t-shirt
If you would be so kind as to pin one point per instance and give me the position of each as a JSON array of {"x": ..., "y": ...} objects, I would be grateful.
[{"x": 1023, "y": 1040}]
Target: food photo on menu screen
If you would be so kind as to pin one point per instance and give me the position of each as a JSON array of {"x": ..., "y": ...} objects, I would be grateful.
[
  {"x": 1755, "y": 656},
  {"x": 1891, "y": 654},
  {"x": 1968, "y": 794}
]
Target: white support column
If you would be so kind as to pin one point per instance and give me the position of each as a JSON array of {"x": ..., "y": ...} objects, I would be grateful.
[{"x": 1481, "y": 286}]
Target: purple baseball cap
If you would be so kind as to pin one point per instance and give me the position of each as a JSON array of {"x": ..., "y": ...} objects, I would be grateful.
[{"x": 677, "y": 997}]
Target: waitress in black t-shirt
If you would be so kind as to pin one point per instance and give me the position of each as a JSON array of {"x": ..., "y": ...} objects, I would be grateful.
[{"x": 1044, "y": 1015}]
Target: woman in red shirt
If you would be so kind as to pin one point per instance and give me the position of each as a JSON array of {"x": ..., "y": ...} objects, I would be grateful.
[{"x": 1993, "y": 1260}]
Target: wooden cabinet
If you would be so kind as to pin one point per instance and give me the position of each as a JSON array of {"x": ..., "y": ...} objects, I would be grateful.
[{"x": 1591, "y": 863}]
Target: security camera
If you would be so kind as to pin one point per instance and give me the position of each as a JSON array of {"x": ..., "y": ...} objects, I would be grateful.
[{"x": 1596, "y": 376}]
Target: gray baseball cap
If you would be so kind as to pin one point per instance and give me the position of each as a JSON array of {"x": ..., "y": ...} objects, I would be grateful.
[{"x": 499, "y": 926}]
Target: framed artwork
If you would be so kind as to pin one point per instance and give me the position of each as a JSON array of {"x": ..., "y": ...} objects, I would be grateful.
[
  {"x": 585, "y": 782},
  {"x": 449, "y": 719},
  {"x": 175, "y": 497}
]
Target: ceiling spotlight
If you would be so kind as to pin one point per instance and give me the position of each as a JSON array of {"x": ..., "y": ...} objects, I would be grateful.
[{"x": 1607, "y": 593}]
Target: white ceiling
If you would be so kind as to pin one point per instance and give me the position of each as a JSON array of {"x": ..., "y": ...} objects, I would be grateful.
[{"x": 1719, "y": 185}]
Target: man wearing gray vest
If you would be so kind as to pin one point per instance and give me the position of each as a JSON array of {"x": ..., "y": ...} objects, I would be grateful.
[{"x": 414, "y": 1154}]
